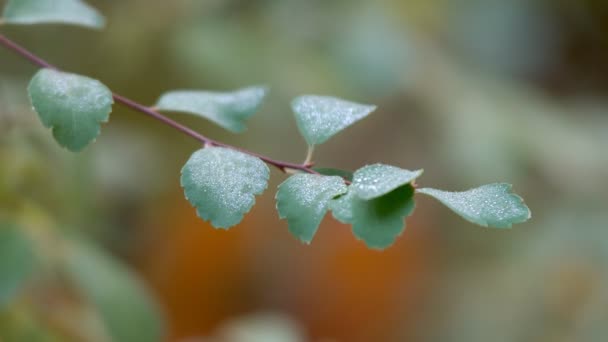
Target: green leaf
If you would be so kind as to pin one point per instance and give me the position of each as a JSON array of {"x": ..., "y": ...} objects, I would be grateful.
[
  {"x": 229, "y": 110},
  {"x": 379, "y": 221},
  {"x": 124, "y": 304},
  {"x": 72, "y": 105},
  {"x": 17, "y": 261},
  {"x": 321, "y": 117},
  {"x": 492, "y": 205},
  {"x": 221, "y": 184},
  {"x": 376, "y": 180},
  {"x": 303, "y": 200},
  {"x": 348, "y": 175},
  {"x": 74, "y": 12}
]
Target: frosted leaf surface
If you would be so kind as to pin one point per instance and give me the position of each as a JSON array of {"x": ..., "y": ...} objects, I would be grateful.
[
  {"x": 492, "y": 205},
  {"x": 74, "y": 12},
  {"x": 321, "y": 117},
  {"x": 303, "y": 200},
  {"x": 348, "y": 175},
  {"x": 230, "y": 110},
  {"x": 221, "y": 184},
  {"x": 378, "y": 222},
  {"x": 377, "y": 180},
  {"x": 72, "y": 105}
]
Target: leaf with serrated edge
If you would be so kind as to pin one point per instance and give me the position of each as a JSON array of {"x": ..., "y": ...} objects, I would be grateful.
[
  {"x": 492, "y": 205},
  {"x": 17, "y": 261},
  {"x": 327, "y": 171},
  {"x": 72, "y": 105},
  {"x": 376, "y": 180},
  {"x": 73, "y": 12},
  {"x": 321, "y": 117},
  {"x": 303, "y": 200},
  {"x": 230, "y": 110},
  {"x": 221, "y": 184},
  {"x": 378, "y": 222}
]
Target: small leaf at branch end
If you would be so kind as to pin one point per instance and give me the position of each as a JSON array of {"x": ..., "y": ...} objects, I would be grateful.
[
  {"x": 492, "y": 205},
  {"x": 321, "y": 117},
  {"x": 230, "y": 110},
  {"x": 303, "y": 200},
  {"x": 72, "y": 105},
  {"x": 376, "y": 180},
  {"x": 125, "y": 306},
  {"x": 348, "y": 175},
  {"x": 73, "y": 12},
  {"x": 378, "y": 222},
  {"x": 221, "y": 184},
  {"x": 17, "y": 261}
]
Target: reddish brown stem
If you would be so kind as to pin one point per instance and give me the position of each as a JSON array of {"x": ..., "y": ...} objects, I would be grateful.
[{"x": 281, "y": 165}]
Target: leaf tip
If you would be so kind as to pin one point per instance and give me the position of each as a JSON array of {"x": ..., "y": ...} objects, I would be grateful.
[
  {"x": 305, "y": 240},
  {"x": 491, "y": 205}
]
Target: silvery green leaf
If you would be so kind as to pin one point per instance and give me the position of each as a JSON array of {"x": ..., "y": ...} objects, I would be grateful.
[
  {"x": 379, "y": 221},
  {"x": 492, "y": 205},
  {"x": 321, "y": 117},
  {"x": 221, "y": 184},
  {"x": 303, "y": 200},
  {"x": 73, "y": 106},
  {"x": 376, "y": 180},
  {"x": 230, "y": 110}
]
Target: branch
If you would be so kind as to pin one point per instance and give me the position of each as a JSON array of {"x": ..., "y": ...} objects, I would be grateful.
[{"x": 281, "y": 165}]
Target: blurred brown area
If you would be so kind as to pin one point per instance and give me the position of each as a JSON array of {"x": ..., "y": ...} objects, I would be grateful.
[
  {"x": 205, "y": 277},
  {"x": 473, "y": 91}
]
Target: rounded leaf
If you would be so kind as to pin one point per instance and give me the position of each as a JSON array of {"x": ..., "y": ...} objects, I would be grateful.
[
  {"x": 303, "y": 200},
  {"x": 492, "y": 205},
  {"x": 378, "y": 222},
  {"x": 321, "y": 117},
  {"x": 74, "y": 12},
  {"x": 376, "y": 180},
  {"x": 221, "y": 184},
  {"x": 230, "y": 110},
  {"x": 72, "y": 105}
]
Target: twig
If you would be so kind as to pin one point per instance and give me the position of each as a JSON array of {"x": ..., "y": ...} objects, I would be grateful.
[{"x": 281, "y": 165}]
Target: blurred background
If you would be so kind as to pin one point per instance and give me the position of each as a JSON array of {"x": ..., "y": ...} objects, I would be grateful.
[{"x": 102, "y": 245}]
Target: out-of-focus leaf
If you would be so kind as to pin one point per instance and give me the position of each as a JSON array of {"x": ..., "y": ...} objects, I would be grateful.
[
  {"x": 489, "y": 46},
  {"x": 348, "y": 175},
  {"x": 128, "y": 312},
  {"x": 221, "y": 184},
  {"x": 303, "y": 200},
  {"x": 376, "y": 180},
  {"x": 355, "y": 57},
  {"x": 72, "y": 105},
  {"x": 379, "y": 221},
  {"x": 261, "y": 327},
  {"x": 491, "y": 205},
  {"x": 321, "y": 117},
  {"x": 74, "y": 12},
  {"x": 17, "y": 261},
  {"x": 230, "y": 110}
]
